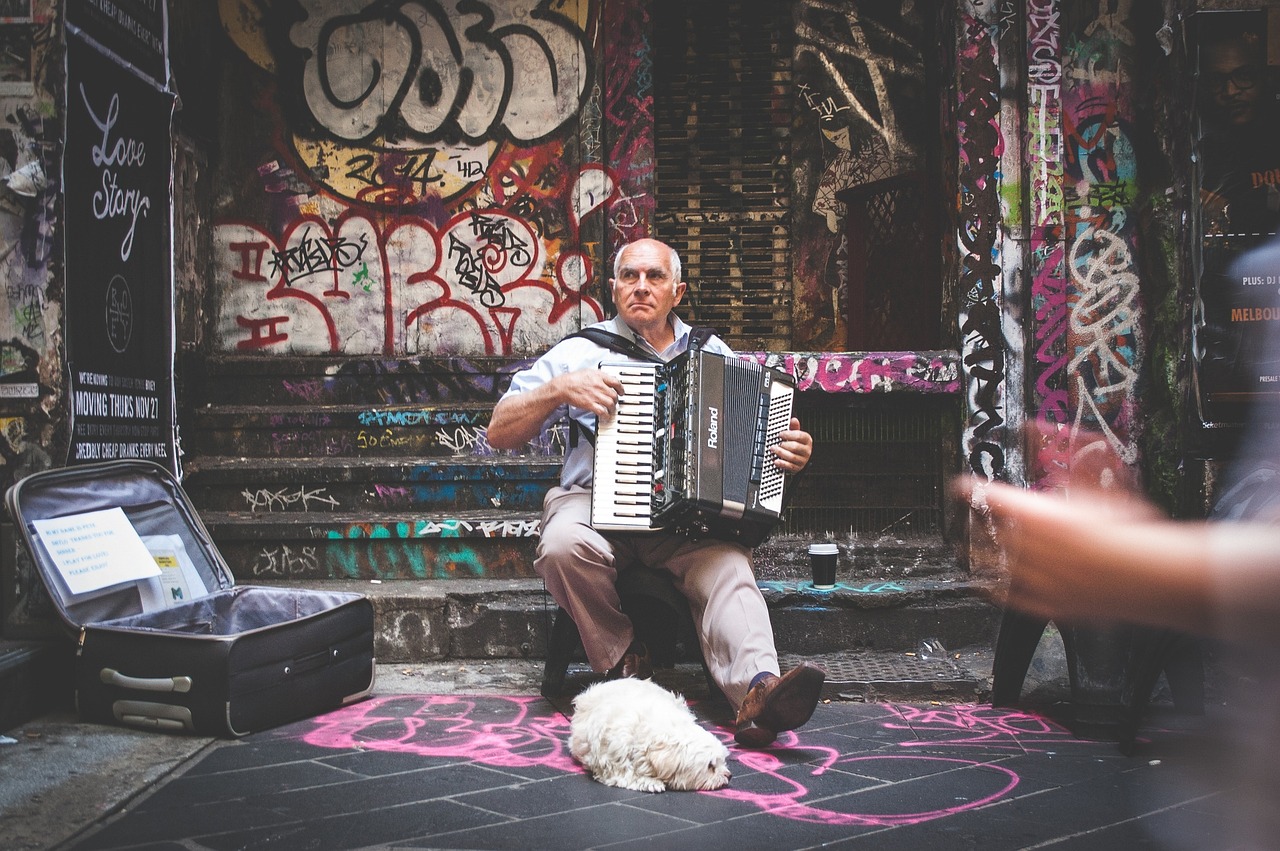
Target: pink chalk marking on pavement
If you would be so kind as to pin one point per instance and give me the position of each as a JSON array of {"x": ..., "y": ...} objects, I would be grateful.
[
  {"x": 989, "y": 726},
  {"x": 506, "y": 732},
  {"x": 444, "y": 726},
  {"x": 787, "y": 804}
]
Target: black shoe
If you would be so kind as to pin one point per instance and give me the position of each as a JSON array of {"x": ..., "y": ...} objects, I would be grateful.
[{"x": 634, "y": 663}]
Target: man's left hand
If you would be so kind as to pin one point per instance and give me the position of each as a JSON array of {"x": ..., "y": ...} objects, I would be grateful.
[{"x": 794, "y": 448}]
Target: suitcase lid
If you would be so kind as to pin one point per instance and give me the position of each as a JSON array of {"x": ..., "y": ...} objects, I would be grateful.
[{"x": 78, "y": 524}]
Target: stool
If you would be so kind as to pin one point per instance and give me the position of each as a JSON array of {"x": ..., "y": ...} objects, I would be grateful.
[
  {"x": 661, "y": 618},
  {"x": 1112, "y": 672}
]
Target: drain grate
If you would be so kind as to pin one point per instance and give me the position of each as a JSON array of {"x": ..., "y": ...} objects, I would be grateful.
[{"x": 878, "y": 675}]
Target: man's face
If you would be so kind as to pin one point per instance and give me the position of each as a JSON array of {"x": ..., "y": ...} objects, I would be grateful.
[
  {"x": 646, "y": 291},
  {"x": 1234, "y": 80}
]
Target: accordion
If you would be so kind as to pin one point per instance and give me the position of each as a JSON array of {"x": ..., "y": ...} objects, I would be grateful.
[{"x": 686, "y": 448}]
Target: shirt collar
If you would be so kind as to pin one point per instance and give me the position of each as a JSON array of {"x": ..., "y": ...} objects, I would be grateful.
[{"x": 677, "y": 325}]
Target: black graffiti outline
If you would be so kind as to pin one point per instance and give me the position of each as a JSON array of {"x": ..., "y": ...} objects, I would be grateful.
[{"x": 317, "y": 256}]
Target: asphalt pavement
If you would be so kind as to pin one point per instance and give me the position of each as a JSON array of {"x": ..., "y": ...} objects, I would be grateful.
[{"x": 468, "y": 755}]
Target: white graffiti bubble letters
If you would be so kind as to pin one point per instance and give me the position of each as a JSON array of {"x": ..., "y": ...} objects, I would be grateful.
[{"x": 495, "y": 69}]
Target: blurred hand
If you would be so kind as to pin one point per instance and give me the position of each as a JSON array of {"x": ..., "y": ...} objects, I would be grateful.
[{"x": 1067, "y": 557}]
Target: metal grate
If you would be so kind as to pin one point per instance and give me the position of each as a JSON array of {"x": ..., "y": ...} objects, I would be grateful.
[
  {"x": 868, "y": 675},
  {"x": 878, "y": 468},
  {"x": 722, "y": 73}
]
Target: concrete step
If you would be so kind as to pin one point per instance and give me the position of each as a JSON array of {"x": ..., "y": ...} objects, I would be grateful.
[
  {"x": 420, "y": 621},
  {"x": 497, "y": 544},
  {"x": 350, "y": 431},
  {"x": 963, "y": 676},
  {"x": 430, "y": 486},
  {"x": 309, "y": 546},
  {"x": 320, "y": 380}
]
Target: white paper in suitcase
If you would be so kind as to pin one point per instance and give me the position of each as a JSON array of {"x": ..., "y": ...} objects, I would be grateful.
[{"x": 167, "y": 640}]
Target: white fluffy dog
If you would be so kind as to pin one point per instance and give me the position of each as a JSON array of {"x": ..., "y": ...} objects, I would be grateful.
[{"x": 637, "y": 735}]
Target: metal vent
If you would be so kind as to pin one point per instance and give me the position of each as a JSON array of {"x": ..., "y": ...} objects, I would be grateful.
[
  {"x": 868, "y": 675},
  {"x": 878, "y": 468}
]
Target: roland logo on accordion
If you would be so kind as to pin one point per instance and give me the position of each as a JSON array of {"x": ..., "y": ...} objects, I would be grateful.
[{"x": 688, "y": 448}]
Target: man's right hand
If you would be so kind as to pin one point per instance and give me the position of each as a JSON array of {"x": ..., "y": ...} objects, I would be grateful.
[
  {"x": 591, "y": 390},
  {"x": 517, "y": 419}
]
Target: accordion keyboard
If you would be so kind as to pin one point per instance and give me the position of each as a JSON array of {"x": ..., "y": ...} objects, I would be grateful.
[{"x": 624, "y": 473}]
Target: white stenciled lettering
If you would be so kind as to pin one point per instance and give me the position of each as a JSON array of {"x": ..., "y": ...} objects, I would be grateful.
[
  {"x": 713, "y": 427},
  {"x": 112, "y": 202},
  {"x": 122, "y": 152},
  {"x": 113, "y": 154}
]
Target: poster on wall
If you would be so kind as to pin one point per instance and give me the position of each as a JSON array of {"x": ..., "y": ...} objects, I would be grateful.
[
  {"x": 1238, "y": 304},
  {"x": 116, "y": 175},
  {"x": 135, "y": 32}
]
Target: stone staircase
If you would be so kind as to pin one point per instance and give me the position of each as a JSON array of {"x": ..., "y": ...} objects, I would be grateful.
[{"x": 374, "y": 475}]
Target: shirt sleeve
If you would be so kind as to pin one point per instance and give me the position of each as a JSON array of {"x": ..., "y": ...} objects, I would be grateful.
[
  {"x": 537, "y": 374},
  {"x": 566, "y": 356},
  {"x": 717, "y": 346}
]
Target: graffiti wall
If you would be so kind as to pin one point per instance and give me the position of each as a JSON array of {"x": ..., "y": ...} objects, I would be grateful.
[
  {"x": 408, "y": 178},
  {"x": 1059, "y": 313},
  {"x": 1088, "y": 344},
  {"x": 1048, "y": 396},
  {"x": 451, "y": 182},
  {"x": 860, "y": 81},
  {"x": 980, "y": 140},
  {"x": 30, "y": 318},
  {"x": 1104, "y": 335}
]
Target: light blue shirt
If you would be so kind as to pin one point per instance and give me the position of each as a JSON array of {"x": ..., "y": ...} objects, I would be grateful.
[{"x": 580, "y": 353}]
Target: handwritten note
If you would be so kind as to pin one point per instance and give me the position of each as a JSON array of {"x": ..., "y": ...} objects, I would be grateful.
[{"x": 96, "y": 550}]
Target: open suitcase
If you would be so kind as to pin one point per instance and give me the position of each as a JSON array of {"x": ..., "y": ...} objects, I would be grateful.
[{"x": 167, "y": 640}]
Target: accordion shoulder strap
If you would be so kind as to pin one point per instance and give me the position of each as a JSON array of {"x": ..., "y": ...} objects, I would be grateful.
[
  {"x": 698, "y": 336},
  {"x": 617, "y": 343}
]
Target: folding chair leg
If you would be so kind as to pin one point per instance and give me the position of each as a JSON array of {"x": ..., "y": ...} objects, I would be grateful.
[{"x": 561, "y": 645}]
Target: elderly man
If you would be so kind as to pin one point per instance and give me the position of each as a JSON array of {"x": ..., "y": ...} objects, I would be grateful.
[{"x": 580, "y": 564}]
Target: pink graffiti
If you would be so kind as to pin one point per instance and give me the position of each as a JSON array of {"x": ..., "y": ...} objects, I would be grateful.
[
  {"x": 392, "y": 494},
  {"x": 870, "y": 372},
  {"x": 986, "y": 725},
  {"x": 786, "y": 804},
  {"x": 509, "y": 732},
  {"x": 1052, "y": 401},
  {"x": 449, "y": 726},
  {"x": 310, "y": 391}
]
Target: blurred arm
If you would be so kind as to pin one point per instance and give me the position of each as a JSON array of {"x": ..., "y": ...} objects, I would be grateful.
[{"x": 1104, "y": 559}]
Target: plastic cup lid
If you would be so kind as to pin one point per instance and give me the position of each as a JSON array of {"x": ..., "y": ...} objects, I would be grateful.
[{"x": 823, "y": 550}]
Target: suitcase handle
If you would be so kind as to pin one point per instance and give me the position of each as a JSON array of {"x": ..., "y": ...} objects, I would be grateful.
[
  {"x": 112, "y": 677},
  {"x": 162, "y": 716},
  {"x": 306, "y": 664}
]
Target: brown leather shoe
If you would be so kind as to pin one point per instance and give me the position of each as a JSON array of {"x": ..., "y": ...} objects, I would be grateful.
[
  {"x": 777, "y": 704},
  {"x": 634, "y": 663}
]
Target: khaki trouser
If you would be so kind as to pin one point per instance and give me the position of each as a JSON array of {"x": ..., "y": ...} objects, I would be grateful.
[{"x": 580, "y": 565}]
